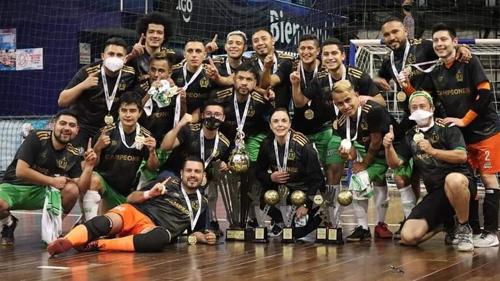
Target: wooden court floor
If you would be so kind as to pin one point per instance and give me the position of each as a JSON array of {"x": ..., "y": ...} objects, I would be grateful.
[{"x": 375, "y": 260}]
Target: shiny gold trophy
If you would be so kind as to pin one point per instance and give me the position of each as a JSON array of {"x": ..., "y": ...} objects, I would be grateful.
[
  {"x": 331, "y": 231},
  {"x": 239, "y": 161},
  {"x": 271, "y": 198},
  {"x": 297, "y": 198}
]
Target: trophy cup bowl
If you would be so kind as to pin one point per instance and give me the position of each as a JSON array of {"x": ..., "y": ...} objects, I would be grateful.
[
  {"x": 271, "y": 197},
  {"x": 298, "y": 198},
  {"x": 345, "y": 198},
  {"x": 239, "y": 162}
]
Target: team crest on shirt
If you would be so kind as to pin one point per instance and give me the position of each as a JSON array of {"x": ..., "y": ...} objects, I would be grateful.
[
  {"x": 292, "y": 155},
  {"x": 459, "y": 76},
  {"x": 411, "y": 59},
  {"x": 195, "y": 205},
  {"x": 204, "y": 82},
  {"x": 62, "y": 163},
  {"x": 364, "y": 125},
  {"x": 440, "y": 78},
  {"x": 122, "y": 86},
  {"x": 251, "y": 112},
  {"x": 434, "y": 137}
]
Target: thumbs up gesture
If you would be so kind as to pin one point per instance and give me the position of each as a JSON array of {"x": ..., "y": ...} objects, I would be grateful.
[{"x": 388, "y": 138}]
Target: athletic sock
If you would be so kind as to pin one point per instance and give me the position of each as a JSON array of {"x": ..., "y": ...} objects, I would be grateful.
[
  {"x": 91, "y": 204},
  {"x": 78, "y": 236},
  {"x": 381, "y": 201},
  {"x": 408, "y": 199},
  {"x": 125, "y": 243},
  {"x": 361, "y": 212},
  {"x": 490, "y": 209}
]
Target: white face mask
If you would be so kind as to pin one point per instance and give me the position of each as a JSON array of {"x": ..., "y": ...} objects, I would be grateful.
[
  {"x": 421, "y": 117},
  {"x": 113, "y": 63}
]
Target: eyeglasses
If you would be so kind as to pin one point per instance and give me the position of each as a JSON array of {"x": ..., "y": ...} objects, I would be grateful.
[{"x": 209, "y": 114}]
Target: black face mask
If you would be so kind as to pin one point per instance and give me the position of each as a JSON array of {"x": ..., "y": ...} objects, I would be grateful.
[
  {"x": 407, "y": 8},
  {"x": 211, "y": 123}
]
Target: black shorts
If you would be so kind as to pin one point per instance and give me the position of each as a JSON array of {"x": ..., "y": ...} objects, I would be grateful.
[{"x": 435, "y": 208}]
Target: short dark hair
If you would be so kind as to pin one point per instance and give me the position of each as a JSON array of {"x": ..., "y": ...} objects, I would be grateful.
[
  {"x": 212, "y": 102},
  {"x": 65, "y": 112},
  {"x": 116, "y": 41},
  {"x": 162, "y": 55},
  {"x": 307, "y": 37},
  {"x": 194, "y": 39},
  {"x": 333, "y": 41},
  {"x": 391, "y": 19},
  {"x": 444, "y": 27},
  {"x": 142, "y": 24},
  {"x": 262, "y": 29},
  {"x": 193, "y": 158},
  {"x": 248, "y": 68},
  {"x": 279, "y": 109},
  {"x": 130, "y": 97}
]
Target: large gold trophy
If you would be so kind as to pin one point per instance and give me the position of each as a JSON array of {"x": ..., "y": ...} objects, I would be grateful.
[
  {"x": 297, "y": 198},
  {"x": 271, "y": 198},
  {"x": 239, "y": 161}
]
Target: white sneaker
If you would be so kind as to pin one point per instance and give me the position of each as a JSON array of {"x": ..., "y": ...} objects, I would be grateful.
[
  {"x": 486, "y": 240},
  {"x": 464, "y": 235}
]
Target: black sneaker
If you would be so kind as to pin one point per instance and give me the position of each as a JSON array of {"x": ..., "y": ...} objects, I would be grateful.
[
  {"x": 252, "y": 223},
  {"x": 8, "y": 233},
  {"x": 450, "y": 238},
  {"x": 397, "y": 234},
  {"x": 359, "y": 234},
  {"x": 214, "y": 226}
]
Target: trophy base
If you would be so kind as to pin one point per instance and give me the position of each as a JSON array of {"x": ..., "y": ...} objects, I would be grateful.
[
  {"x": 287, "y": 235},
  {"x": 260, "y": 235},
  {"x": 327, "y": 235},
  {"x": 235, "y": 234}
]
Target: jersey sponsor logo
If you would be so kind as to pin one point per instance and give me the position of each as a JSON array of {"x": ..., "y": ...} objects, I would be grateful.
[
  {"x": 123, "y": 157},
  {"x": 454, "y": 92}
]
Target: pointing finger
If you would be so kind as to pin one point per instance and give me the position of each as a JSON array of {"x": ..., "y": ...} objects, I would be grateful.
[{"x": 215, "y": 38}]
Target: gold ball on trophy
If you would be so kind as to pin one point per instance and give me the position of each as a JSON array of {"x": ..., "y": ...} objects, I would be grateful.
[
  {"x": 298, "y": 198},
  {"x": 239, "y": 162},
  {"x": 345, "y": 197},
  {"x": 271, "y": 197}
]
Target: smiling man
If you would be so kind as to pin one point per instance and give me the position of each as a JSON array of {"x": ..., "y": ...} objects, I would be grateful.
[
  {"x": 120, "y": 149},
  {"x": 45, "y": 159},
  {"x": 153, "y": 217}
]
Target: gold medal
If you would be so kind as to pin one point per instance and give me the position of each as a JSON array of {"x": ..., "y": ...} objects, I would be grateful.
[
  {"x": 139, "y": 141},
  {"x": 401, "y": 96},
  {"x": 335, "y": 124},
  {"x": 418, "y": 137},
  {"x": 192, "y": 239},
  {"x": 309, "y": 114},
  {"x": 108, "y": 120}
]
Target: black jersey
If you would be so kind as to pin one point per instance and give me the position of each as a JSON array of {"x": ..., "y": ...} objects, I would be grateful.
[
  {"x": 222, "y": 65},
  {"x": 198, "y": 91},
  {"x": 118, "y": 164},
  {"x": 161, "y": 120},
  {"x": 170, "y": 210},
  {"x": 255, "y": 121},
  {"x": 303, "y": 164},
  {"x": 434, "y": 170},
  {"x": 38, "y": 151},
  {"x": 283, "y": 91},
  {"x": 420, "y": 51},
  {"x": 141, "y": 63},
  {"x": 456, "y": 89},
  {"x": 374, "y": 118},
  {"x": 90, "y": 106},
  {"x": 189, "y": 139}
]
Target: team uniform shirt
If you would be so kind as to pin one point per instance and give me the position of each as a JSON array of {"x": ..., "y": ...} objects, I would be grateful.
[
  {"x": 303, "y": 164},
  {"x": 420, "y": 51},
  {"x": 255, "y": 122},
  {"x": 319, "y": 92},
  {"x": 198, "y": 91},
  {"x": 161, "y": 120},
  {"x": 189, "y": 139},
  {"x": 456, "y": 89},
  {"x": 118, "y": 164},
  {"x": 170, "y": 210},
  {"x": 90, "y": 106},
  {"x": 441, "y": 137},
  {"x": 373, "y": 119},
  {"x": 38, "y": 151},
  {"x": 220, "y": 64},
  {"x": 283, "y": 91}
]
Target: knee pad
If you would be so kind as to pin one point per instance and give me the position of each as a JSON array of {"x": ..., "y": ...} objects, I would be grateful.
[
  {"x": 152, "y": 241},
  {"x": 98, "y": 226}
]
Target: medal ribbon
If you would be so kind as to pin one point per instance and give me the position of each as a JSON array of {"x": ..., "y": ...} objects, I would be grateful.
[
  {"x": 109, "y": 99},
  {"x": 241, "y": 121},
  {"x": 282, "y": 167},
  {"x": 202, "y": 147},
  {"x": 190, "y": 208},
  {"x": 303, "y": 75},
  {"x": 405, "y": 55},
  {"x": 122, "y": 134},
  {"x": 348, "y": 125},
  {"x": 177, "y": 114}
]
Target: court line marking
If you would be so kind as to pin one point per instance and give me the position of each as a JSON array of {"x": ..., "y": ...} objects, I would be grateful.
[{"x": 53, "y": 267}]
